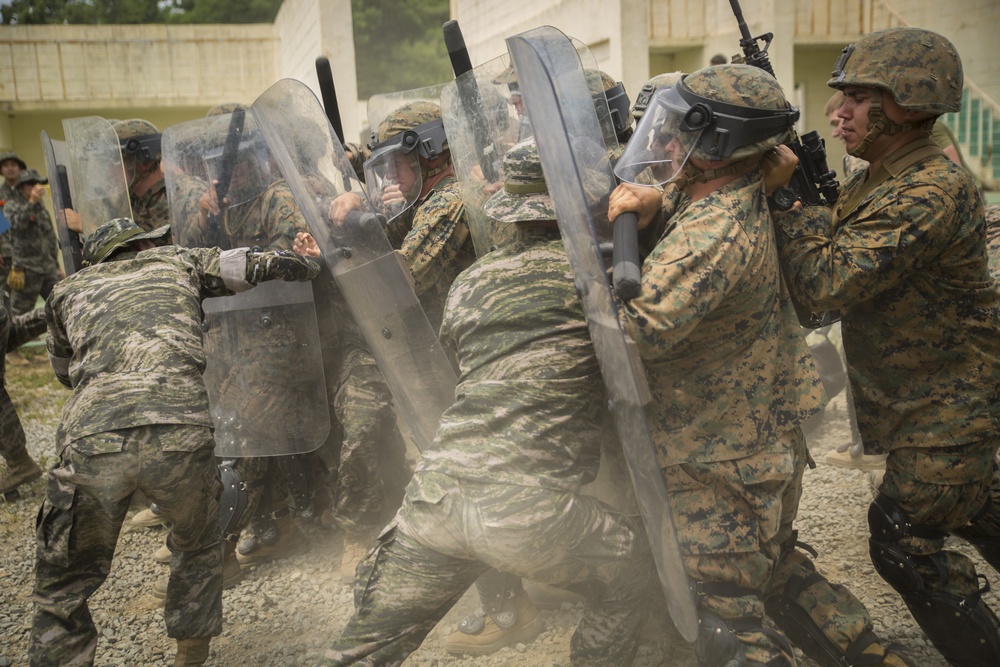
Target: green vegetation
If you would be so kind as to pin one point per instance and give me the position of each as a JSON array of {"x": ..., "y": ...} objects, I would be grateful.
[{"x": 99, "y": 12}]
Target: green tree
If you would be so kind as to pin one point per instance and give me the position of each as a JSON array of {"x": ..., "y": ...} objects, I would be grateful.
[
  {"x": 123, "y": 12},
  {"x": 399, "y": 45}
]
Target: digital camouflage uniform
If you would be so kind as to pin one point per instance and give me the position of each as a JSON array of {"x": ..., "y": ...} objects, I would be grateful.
[
  {"x": 732, "y": 381},
  {"x": 35, "y": 250},
  {"x": 433, "y": 235},
  {"x": 500, "y": 486},
  {"x": 14, "y": 332},
  {"x": 7, "y": 194},
  {"x": 138, "y": 419},
  {"x": 993, "y": 239},
  {"x": 903, "y": 256}
]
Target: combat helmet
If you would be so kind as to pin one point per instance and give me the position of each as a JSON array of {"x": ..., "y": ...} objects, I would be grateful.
[
  {"x": 642, "y": 100},
  {"x": 113, "y": 235},
  {"x": 919, "y": 68},
  {"x": 414, "y": 125},
  {"x": 139, "y": 139}
]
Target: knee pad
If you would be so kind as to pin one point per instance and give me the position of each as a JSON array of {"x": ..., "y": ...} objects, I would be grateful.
[
  {"x": 718, "y": 646},
  {"x": 234, "y": 501},
  {"x": 964, "y": 629}
]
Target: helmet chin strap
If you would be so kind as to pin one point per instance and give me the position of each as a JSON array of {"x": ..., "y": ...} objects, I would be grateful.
[
  {"x": 692, "y": 174},
  {"x": 879, "y": 123}
]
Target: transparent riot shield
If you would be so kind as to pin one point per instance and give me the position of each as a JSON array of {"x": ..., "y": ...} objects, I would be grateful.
[
  {"x": 265, "y": 373},
  {"x": 579, "y": 177},
  {"x": 372, "y": 279},
  {"x": 381, "y": 105},
  {"x": 483, "y": 119},
  {"x": 56, "y": 166},
  {"x": 100, "y": 191}
]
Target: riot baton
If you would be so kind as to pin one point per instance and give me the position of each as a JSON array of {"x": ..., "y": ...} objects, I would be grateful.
[
  {"x": 468, "y": 91},
  {"x": 625, "y": 256},
  {"x": 329, "y": 93},
  {"x": 230, "y": 152},
  {"x": 65, "y": 234}
]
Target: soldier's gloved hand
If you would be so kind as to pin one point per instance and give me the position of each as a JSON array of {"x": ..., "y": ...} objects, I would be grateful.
[
  {"x": 279, "y": 265},
  {"x": 15, "y": 279}
]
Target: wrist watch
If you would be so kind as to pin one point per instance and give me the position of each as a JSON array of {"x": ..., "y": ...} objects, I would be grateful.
[{"x": 782, "y": 199}]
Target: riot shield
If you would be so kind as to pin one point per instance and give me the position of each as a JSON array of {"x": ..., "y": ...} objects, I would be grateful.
[
  {"x": 264, "y": 369},
  {"x": 381, "y": 105},
  {"x": 556, "y": 93},
  {"x": 482, "y": 122},
  {"x": 372, "y": 279},
  {"x": 56, "y": 166},
  {"x": 100, "y": 191}
]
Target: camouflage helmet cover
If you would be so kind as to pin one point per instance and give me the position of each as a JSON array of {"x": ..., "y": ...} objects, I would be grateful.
[
  {"x": 224, "y": 108},
  {"x": 11, "y": 155},
  {"x": 920, "y": 68},
  {"x": 113, "y": 235},
  {"x": 525, "y": 195},
  {"x": 138, "y": 137},
  {"x": 743, "y": 90},
  {"x": 407, "y": 117}
]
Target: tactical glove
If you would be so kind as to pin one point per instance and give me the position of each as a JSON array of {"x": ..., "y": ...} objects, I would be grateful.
[
  {"x": 279, "y": 265},
  {"x": 15, "y": 279}
]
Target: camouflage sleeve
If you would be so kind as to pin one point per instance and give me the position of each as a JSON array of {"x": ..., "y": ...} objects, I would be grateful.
[
  {"x": 18, "y": 216},
  {"x": 26, "y": 327},
  {"x": 358, "y": 154},
  {"x": 684, "y": 279},
  {"x": 438, "y": 233},
  {"x": 283, "y": 219},
  {"x": 872, "y": 253},
  {"x": 221, "y": 272},
  {"x": 57, "y": 344}
]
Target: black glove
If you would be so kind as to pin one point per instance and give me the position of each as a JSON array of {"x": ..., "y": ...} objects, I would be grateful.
[{"x": 279, "y": 265}]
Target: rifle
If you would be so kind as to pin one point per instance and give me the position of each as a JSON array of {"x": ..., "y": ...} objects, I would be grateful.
[
  {"x": 468, "y": 92},
  {"x": 230, "y": 152},
  {"x": 812, "y": 182}
]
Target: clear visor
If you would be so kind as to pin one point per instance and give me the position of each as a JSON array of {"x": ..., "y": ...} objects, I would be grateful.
[
  {"x": 394, "y": 180},
  {"x": 659, "y": 147}
]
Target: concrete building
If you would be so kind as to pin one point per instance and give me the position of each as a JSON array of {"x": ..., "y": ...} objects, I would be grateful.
[{"x": 635, "y": 39}]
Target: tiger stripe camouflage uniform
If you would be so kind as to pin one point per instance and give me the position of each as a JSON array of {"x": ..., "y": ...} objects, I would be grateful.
[
  {"x": 7, "y": 194},
  {"x": 126, "y": 336},
  {"x": 500, "y": 485},
  {"x": 903, "y": 256},
  {"x": 14, "y": 332},
  {"x": 35, "y": 250}
]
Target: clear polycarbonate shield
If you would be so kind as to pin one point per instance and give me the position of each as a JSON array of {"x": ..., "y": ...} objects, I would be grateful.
[
  {"x": 264, "y": 375},
  {"x": 555, "y": 90},
  {"x": 393, "y": 179},
  {"x": 661, "y": 144},
  {"x": 482, "y": 123},
  {"x": 56, "y": 166},
  {"x": 373, "y": 281},
  {"x": 100, "y": 191}
]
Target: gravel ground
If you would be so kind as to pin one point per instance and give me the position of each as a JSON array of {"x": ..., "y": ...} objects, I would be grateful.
[{"x": 284, "y": 613}]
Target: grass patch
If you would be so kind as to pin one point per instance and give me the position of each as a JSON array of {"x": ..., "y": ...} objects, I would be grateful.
[{"x": 33, "y": 386}]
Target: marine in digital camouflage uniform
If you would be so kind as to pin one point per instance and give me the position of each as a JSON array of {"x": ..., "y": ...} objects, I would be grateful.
[
  {"x": 993, "y": 239},
  {"x": 903, "y": 256},
  {"x": 732, "y": 381},
  {"x": 10, "y": 167},
  {"x": 15, "y": 331},
  {"x": 500, "y": 486},
  {"x": 147, "y": 188},
  {"x": 433, "y": 235},
  {"x": 34, "y": 264},
  {"x": 125, "y": 334}
]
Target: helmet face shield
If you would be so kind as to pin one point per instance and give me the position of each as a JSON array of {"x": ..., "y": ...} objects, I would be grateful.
[
  {"x": 251, "y": 174},
  {"x": 661, "y": 144},
  {"x": 394, "y": 179}
]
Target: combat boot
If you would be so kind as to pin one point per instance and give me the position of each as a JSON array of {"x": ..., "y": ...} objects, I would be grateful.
[
  {"x": 282, "y": 540},
  {"x": 355, "y": 550},
  {"x": 21, "y": 469},
  {"x": 847, "y": 459},
  {"x": 192, "y": 651},
  {"x": 480, "y": 634},
  {"x": 149, "y": 518}
]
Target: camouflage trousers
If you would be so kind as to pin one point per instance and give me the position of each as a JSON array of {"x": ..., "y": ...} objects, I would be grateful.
[
  {"x": 78, "y": 525},
  {"x": 12, "y": 440},
  {"x": 728, "y": 516},
  {"x": 35, "y": 285},
  {"x": 371, "y": 468},
  {"x": 832, "y": 607},
  {"x": 954, "y": 489},
  {"x": 448, "y": 532}
]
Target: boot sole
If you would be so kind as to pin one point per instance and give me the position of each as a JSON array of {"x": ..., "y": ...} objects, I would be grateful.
[{"x": 526, "y": 633}]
